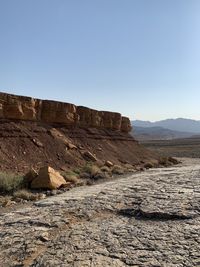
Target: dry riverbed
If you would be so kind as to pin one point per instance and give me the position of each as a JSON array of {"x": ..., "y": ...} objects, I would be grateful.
[{"x": 144, "y": 219}]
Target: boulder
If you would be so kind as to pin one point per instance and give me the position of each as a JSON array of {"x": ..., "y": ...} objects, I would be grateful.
[{"x": 48, "y": 178}]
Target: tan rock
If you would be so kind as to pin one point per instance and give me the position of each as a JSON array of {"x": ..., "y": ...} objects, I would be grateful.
[
  {"x": 48, "y": 178},
  {"x": 71, "y": 146},
  {"x": 109, "y": 163},
  {"x": 89, "y": 156},
  {"x": 58, "y": 135},
  {"x": 19, "y": 107},
  {"x": 37, "y": 142}
]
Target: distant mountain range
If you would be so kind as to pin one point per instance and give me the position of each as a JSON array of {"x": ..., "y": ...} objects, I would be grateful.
[
  {"x": 165, "y": 129},
  {"x": 182, "y": 125},
  {"x": 157, "y": 133}
]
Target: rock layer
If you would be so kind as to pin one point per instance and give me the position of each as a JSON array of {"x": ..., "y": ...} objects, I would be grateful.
[{"x": 31, "y": 109}]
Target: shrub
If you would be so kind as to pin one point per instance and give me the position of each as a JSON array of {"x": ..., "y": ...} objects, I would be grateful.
[
  {"x": 77, "y": 171},
  {"x": 25, "y": 194},
  {"x": 173, "y": 160},
  {"x": 117, "y": 170},
  {"x": 148, "y": 165},
  {"x": 70, "y": 177},
  {"x": 164, "y": 161},
  {"x": 105, "y": 169},
  {"x": 91, "y": 169},
  {"x": 10, "y": 182}
]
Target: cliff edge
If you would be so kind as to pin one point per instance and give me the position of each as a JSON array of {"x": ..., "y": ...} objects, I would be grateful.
[
  {"x": 31, "y": 109},
  {"x": 35, "y": 132}
]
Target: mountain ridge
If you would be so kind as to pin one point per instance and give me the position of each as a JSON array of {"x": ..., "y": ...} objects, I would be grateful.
[
  {"x": 179, "y": 124},
  {"x": 158, "y": 133}
]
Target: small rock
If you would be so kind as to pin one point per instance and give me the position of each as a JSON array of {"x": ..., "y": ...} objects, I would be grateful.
[
  {"x": 42, "y": 196},
  {"x": 148, "y": 165},
  {"x": 44, "y": 237},
  {"x": 109, "y": 163},
  {"x": 37, "y": 143},
  {"x": 71, "y": 146},
  {"x": 89, "y": 156}
]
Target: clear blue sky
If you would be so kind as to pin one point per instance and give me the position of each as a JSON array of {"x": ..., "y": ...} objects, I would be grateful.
[{"x": 138, "y": 57}]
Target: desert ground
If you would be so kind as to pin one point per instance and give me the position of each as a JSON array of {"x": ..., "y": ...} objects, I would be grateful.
[
  {"x": 188, "y": 147},
  {"x": 142, "y": 219}
]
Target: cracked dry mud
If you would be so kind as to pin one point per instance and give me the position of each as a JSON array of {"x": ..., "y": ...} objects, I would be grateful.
[{"x": 145, "y": 219}]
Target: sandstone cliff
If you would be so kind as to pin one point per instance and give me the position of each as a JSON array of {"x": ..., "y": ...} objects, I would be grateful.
[
  {"x": 31, "y": 109},
  {"x": 36, "y": 132}
]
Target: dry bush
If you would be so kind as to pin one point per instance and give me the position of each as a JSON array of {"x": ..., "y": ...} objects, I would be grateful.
[
  {"x": 25, "y": 194},
  {"x": 117, "y": 170},
  {"x": 10, "y": 182},
  {"x": 128, "y": 166},
  {"x": 76, "y": 171},
  {"x": 105, "y": 169},
  {"x": 148, "y": 165},
  {"x": 91, "y": 169},
  {"x": 164, "y": 161},
  {"x": 173, "y": 160},
  {"x": 71, "y": 177}
]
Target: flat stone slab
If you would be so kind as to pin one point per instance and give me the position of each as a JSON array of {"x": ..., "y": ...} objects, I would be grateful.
[{"x": 146, "y": 219}]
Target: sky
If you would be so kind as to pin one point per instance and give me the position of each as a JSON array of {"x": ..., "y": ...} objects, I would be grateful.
[{"x": 137, "y": 57}]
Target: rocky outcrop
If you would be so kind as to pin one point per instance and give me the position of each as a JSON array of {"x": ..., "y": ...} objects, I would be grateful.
[
  {"x": 48, "y": 178},
  {"x": 31, "y": 109}
]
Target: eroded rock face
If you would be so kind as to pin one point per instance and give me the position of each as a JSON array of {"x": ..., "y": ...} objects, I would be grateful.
[
  {"x": 89, "y": 117},
  {"x": 58, "y": 112},
  {"x": 31, "y": 109},
  {"x": 126, "y": 125},
  {"x": 19, "y": 107}
]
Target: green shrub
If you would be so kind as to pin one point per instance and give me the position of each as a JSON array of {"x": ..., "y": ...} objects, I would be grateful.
[
  {"x": 77, "y": 171},
  {"x": 91, "y": 169},
  {"x": 10, "y": 182}
]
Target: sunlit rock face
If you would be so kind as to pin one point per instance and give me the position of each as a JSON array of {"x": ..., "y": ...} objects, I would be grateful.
[{"x": 31, "y": 109}]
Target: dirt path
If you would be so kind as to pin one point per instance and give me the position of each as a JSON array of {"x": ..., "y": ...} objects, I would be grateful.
[{"x": 146, "y": 219}]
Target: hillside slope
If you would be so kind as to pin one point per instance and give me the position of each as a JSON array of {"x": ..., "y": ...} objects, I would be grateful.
[{"x": 36, "y": 132}]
